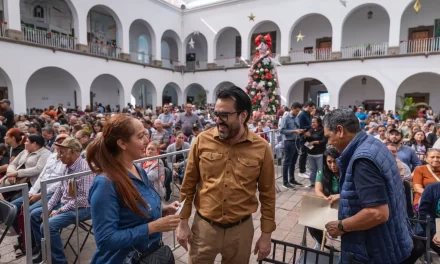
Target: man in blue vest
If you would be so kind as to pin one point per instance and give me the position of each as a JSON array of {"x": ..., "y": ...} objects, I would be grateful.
[{"x": 373, "y": 223}]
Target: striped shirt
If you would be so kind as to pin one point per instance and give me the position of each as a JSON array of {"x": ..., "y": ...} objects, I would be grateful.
[{"x": 83, "y": 185}]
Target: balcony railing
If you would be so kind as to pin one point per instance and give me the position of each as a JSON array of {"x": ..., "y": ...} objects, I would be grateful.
[
  {"x": 141, "y": 57},
  {"x": 420, "y": 45},
  {"x": 104, "y": 50},
  {"x": 3, "y": 27},
  {"x": 196, "y": 65},
  {"x": 228, "y": 62},
  {"x": 48, "y": 38},
  {"x": 170, "y": 63},
  {"x": 311, "y": 55},
  {"x": 365, "y": 50}
]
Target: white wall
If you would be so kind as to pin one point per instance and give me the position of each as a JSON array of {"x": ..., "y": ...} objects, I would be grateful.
[
  {"x": 358, "y": 29},
  {"x": 313, "y": 27},
  {"x": 354, "y": 92},
  {"x": 226, "y": 44},
  {"x": 106, "y": 89},
  {"x": 52, "y": 86},
  {"x": 423, "y": 83},
  {"x": 428, "y": 13}
]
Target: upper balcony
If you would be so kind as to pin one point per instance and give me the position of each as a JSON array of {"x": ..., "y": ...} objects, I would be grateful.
[{"x": 366, "y": 30}]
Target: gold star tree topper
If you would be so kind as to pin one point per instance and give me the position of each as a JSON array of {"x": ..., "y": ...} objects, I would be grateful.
[
  {"x": 251, "y": 17},
  {"x": 417, "y": 6},
  {"x": 300, "y": 37}
]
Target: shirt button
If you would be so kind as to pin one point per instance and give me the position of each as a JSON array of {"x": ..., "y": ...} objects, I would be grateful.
[
  {"x": 224, "y": 213},
  {"x": 226, "y": 185},
  {"x": 225, "y": 200},
  {"x": 227, "y": 171}
]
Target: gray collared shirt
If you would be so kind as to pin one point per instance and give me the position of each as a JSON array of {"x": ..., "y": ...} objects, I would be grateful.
[{"x": 289, "y": 123}]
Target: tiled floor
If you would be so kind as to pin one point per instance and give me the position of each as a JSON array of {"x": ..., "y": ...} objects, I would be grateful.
[{"x": 288, "y": 204}]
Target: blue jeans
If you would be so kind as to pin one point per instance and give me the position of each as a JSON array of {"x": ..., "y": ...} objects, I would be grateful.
[
  {"x": 19, "y": 202},
  {"x": 56, "y": 223},
  {"x": 315, "y": 165},
  {"x": 290, "y": 158}
]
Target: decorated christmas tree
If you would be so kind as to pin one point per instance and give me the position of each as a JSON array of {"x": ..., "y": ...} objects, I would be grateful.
[{"x": 263, "y": 86}]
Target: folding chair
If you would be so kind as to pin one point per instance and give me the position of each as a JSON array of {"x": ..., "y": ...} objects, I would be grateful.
[
  {"x": 87, "y": 228},
  {"x": 8, "y": 212},
  {"x": 426, "y": 238}
]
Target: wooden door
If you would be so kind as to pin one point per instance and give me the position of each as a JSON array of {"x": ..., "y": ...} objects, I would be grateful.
[
  {"x": 420, "y": 42},
  {"x": 324, "y": 50},
  {"x": 419, "y": 99}
]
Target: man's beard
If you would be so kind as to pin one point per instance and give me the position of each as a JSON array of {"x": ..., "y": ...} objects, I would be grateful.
[{"x": 229, "y": 134}]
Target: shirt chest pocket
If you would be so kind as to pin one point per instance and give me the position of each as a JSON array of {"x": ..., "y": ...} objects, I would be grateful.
[
  {"x": 248, "y": 170},
  {"x": 211, "y": 161}
]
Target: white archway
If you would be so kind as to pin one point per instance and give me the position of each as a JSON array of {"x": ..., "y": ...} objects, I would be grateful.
[
  {"x": 171, "y": 49},
  {"x": 263, "y": 28},
  {"x": 172, "y": 94},
  {"x": 197, "y": 57},
  {"x": 143, "y": 94},
  {"x": 106, "y": 31},
  {"x": 422, "y": 87},
  {"x": 195, "y": 94},
  {"x": 142, "y": 42},
  {"x": 365, "y": 31},
  {"x": 106, "y": 89},
  {"x": 362, "y": 90},
  {"x": 318, "y": 42},
  {"x": 307, "y": 89},
  {"x": 6, "y": 89},
  {"x": 52, "y": 86},
  {"x": 227, "y": 47}
]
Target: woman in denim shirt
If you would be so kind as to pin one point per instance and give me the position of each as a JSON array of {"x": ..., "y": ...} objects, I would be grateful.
[{"x": 126, "y": 211}]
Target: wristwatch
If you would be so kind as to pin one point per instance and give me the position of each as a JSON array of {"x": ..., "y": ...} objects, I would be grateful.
[{"x": 340, "y": 226}]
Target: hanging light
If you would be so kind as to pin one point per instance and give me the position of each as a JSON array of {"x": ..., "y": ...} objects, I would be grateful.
[
  {"x": 364, "y": 81},
  {"x": 370, "y": 14}
]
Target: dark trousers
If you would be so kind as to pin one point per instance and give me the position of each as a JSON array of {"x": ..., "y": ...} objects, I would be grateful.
[
  {"x": 417, "y": 251},
  {"x": 290, "y": 158},
  {"x": 302, "y": 158}
]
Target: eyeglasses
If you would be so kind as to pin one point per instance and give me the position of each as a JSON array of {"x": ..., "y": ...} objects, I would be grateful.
[{"x": 224, "y": 116}]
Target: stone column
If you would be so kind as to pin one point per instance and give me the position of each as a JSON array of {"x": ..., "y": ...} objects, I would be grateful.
[{"x": 12, "y": 16}]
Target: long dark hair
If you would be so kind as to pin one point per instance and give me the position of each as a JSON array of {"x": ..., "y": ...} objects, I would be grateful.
[
  {"x": 102, "y": 158},
  {"x": 327, "y": 173}
]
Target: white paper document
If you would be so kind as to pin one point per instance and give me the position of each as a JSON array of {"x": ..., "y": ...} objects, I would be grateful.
[
  {"x": 316, "y": 212},
  {"x": 308, "y": 145},
  {"x": 180, "y": 207}
]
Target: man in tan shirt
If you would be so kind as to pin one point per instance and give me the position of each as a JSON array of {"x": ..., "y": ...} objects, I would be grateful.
[{"x": 229, "y": 164}]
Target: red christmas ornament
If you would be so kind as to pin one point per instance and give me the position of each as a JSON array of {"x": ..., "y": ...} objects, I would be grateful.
[
  {"x": 266, "y": 70},
  {"x": 268, "y": 76},
  {"x": 262, "y": 77}
]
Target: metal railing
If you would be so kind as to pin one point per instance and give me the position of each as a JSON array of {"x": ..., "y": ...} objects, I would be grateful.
[
  {"x": 170, "y": 63},
  {"x": 3, "y": 27},
  {"x": 141, "y": 57},
  {"x": 365, "y": 50},
  {"x": 228, "y": 62},
  {"x": 420, "y": 45},
  {"x": 24, "y": 188},
  {"x": 196, "y": 65},
  {"x": 311, "y": 55},
  {"x": 45, "y": 241},
  {"x": 48, "y": 38},
  {"x": 104, "y": 50}
]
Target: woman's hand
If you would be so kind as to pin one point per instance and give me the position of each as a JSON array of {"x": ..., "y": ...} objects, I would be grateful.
[
  {"x": 333, "y": 199},
  {"x": 170, "y": 209},
  {"x": 164, "y": 224},
  {"x": 12, "y": 174},
  {"x": 436, "y": 241},
  {"x": 316, "y": 142}
]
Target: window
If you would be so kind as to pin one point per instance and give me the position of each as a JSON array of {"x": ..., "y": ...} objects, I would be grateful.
[{"x": 39, "y": 12}]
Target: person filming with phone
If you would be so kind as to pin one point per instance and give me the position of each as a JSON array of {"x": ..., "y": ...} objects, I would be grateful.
[{"x": 291, "y": 132}]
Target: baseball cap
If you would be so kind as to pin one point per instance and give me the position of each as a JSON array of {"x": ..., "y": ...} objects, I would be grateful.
[
  {"x": 99, "y": 115},
  {"x": 396, "y": 130},
  {"x": 33, "y": 124},
  {"x": 5, "y": 101},
  {"x": 70, "y": 143}
]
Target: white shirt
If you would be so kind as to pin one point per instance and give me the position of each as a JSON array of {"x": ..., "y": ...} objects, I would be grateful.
[{"x": 54, "y": 168}]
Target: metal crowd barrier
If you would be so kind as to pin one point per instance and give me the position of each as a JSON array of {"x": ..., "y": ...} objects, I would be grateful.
[
  {"x": 26, "y": 214},
  {"x": 45, "y": 245},
  {"x": 45, "y": 241}
]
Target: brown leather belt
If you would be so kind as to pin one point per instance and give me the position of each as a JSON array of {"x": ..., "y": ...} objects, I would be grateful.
[{"x": 224, "y": 226}]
